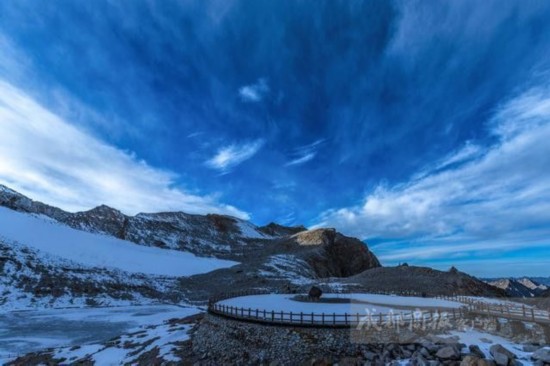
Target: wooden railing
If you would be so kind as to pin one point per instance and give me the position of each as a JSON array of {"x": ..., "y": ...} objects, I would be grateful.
[
  {"x": 471, "y": 307},
  {"x": 411, "y": 318},
  {"x": 405, "y": 318},
  {"x": 510, "y": 311}
]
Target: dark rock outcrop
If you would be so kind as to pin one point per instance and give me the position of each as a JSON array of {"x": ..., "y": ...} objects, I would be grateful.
[{"x": 332, "y": 254}]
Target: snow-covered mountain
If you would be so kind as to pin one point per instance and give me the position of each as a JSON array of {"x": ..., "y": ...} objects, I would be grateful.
[
  {"x": 50, "y": 255},
  {"x": 192, "y": 257},
  {"x": 206, "y": 235},
  {"x": 100, "y": 251},
  {"x": 519, "y": 287}
]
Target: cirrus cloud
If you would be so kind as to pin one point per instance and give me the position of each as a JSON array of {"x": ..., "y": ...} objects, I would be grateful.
[
  {"x": 232, "y": 155},
  {"x": 47, "y": 158}
]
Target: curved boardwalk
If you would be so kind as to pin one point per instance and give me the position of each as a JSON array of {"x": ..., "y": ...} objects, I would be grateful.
[
  {"x": 354, "y": 316},
  {"x": 332, "y": 315}
]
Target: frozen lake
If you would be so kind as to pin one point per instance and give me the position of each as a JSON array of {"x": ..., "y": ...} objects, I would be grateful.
[{"x": 28, "y": 331}]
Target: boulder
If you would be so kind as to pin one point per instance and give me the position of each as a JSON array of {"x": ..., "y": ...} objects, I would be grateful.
[
  {"x": 475, "y": 350},
  {"x": 502, "y": 356},
  {"x": 485, "y": 362},
  {"x": 542, "y": 354},
  {"x": 448, "y": 353},
  {"x": 501, "y": 359},
  {"x": 420, "y": 361},
  {"x": 469, "y": 361},
  {"x": 315, "y": 293},
  {"x": 531, "y": 348}
]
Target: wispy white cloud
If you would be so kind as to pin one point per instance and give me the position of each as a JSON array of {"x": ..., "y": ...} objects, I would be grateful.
[
  {"x": 479, "y": 199},
  {"x": 254, "y": 92},
  {"x": 230, "y": 156},
  {"x": 47, "y": 158},
  {"x": 305, "y": 153},
  {"x": 302, "y": 159}
]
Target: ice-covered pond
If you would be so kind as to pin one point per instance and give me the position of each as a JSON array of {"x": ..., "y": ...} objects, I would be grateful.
[
  {"x": 375, "y": 303},
  {"x": 28, "y": 331}
]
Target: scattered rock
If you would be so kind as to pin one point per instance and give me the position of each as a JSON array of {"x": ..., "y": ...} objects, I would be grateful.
[
  {"x": 350, "y": 361},
  {"x": 474, "y": 349},
  {"x": 531, "y": 348},
  {"x": 542, "y": 354},
  {"x": 469, "y": 361},
  {"x": 448, "y": 353},
  {"x": 498, "y": 350},
  {"x": 485, "y": 362}
]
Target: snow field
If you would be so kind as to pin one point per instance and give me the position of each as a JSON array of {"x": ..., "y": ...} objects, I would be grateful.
[{"x": 99, "y": 250}]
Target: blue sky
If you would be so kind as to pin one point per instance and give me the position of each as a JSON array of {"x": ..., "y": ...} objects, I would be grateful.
[{"x": 421, "y": 127}]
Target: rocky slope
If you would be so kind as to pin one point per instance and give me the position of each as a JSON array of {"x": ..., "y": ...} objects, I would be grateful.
[
  {"x": 421, "y": 280},
  {"x": 29, "y": 279}
]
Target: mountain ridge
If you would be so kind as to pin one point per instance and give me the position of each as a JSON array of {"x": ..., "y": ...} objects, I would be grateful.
[
  {"x": 198, "y": 234},
  {"x": 272, "y": 257},
  {"x": 524, "y": 287}
]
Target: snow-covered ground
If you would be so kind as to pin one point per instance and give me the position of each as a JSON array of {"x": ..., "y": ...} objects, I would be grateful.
[
  {"x": 485, "y": 340},
  {"x": 29, "y": 331},
  {"x": 96, "y": 250},
  {"x": 163, "y": 336},
  {"x": 375, "y": 303}
]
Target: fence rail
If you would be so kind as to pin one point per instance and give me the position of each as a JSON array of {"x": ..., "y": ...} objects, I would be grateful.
[
  {"x": 412, "y": 318},
  {"x": 510, "y": 311},
  {"x": 333, "y": 319},
  {"x": 471, "y": 307}
]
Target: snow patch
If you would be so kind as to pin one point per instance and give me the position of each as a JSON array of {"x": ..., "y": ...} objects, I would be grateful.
[{"x": 250, "y": 231}]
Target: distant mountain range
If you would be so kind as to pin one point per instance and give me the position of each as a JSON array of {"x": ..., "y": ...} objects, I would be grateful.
[{"x": 522, "y": 287}]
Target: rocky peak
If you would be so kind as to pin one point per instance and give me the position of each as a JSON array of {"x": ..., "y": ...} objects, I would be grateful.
[
  {"x": 532, "y": 285},
  {"x": 315, "y": 237},
  {"x": 332, "y": 254},
  {"x": 103, "y": 212}
]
